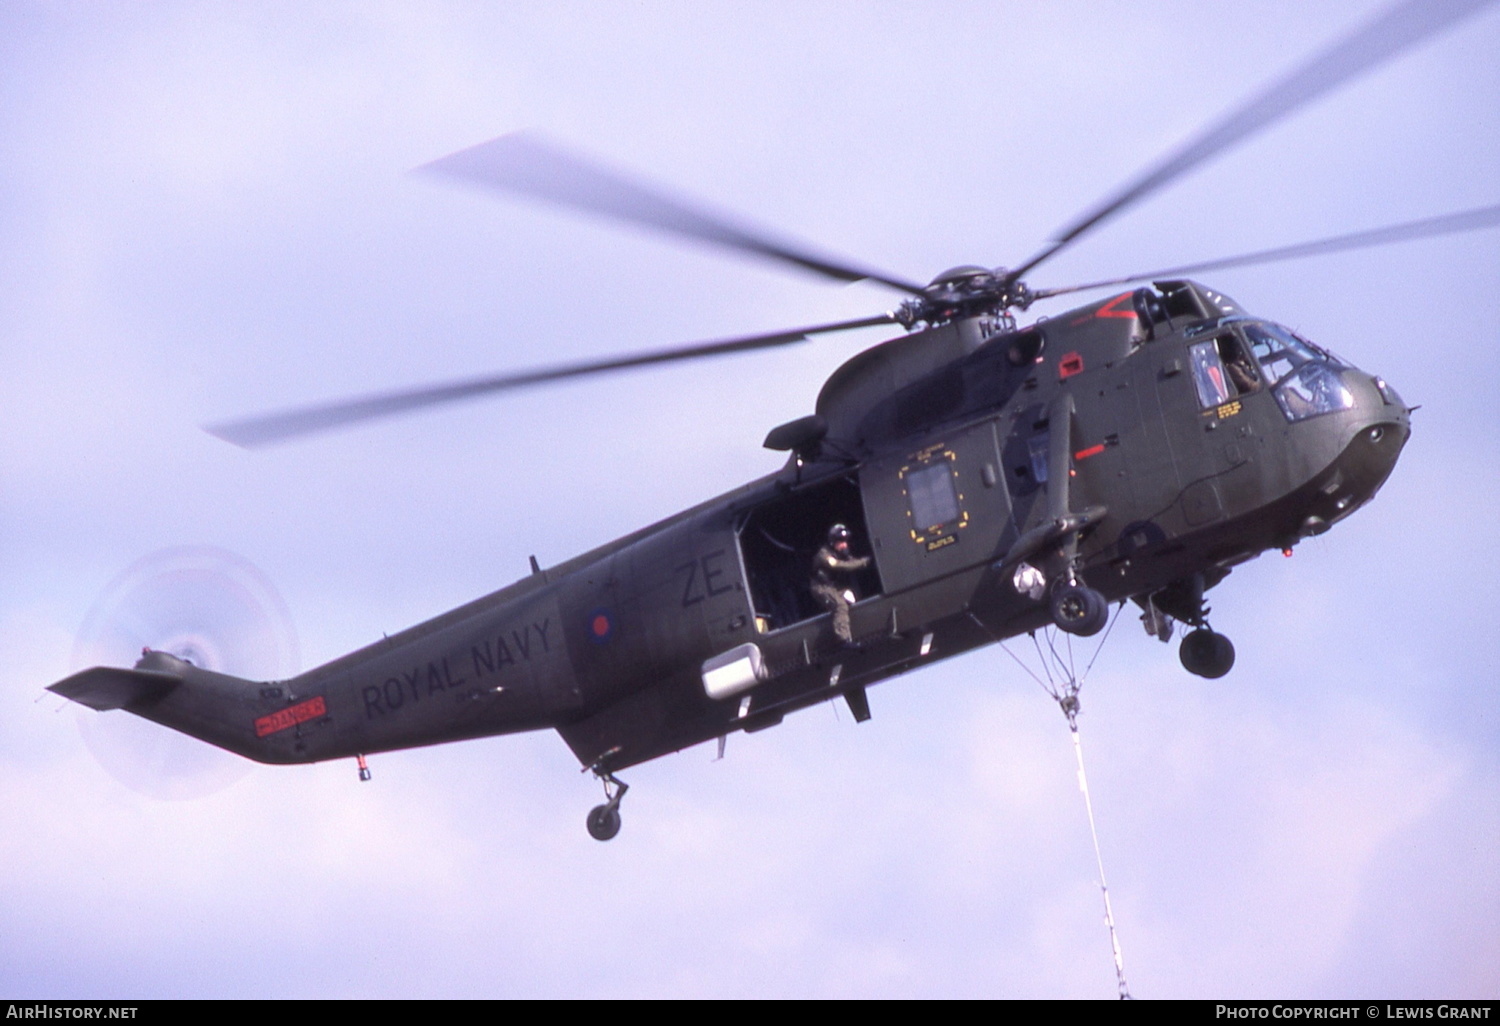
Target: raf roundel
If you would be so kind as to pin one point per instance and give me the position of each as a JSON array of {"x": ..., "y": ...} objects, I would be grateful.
[{"x": 600, "y": 626}]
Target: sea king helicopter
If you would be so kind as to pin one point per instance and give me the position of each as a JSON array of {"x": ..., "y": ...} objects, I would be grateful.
[{"x": 994, "y": 478}]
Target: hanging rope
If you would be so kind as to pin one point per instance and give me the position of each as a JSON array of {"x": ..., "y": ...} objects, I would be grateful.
[
  {"x": 1088, "y": 804},
  {"x": 1063, "y": 686}
]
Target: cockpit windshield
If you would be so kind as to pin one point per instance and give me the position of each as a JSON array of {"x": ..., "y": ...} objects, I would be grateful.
[
  {"x": 1305, "y": 378},
  {"x": 1278, "y": 350}
]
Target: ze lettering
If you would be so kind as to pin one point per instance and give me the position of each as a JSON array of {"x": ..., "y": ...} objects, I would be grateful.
[
  {"x": 710, "y": 582},
  {"x": 691, "y": 594}
]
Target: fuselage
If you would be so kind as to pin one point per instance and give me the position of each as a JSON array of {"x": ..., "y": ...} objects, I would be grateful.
[{"x": 1199, "y": 435}]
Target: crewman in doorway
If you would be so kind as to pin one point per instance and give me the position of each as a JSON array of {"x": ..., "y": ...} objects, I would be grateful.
[{"x": 833, "y": 578}]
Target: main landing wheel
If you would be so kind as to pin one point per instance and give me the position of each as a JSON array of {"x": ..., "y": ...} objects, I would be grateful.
[
  {"x": 604, "y": 821},
  {"x": 1206, "y": 653},
  {"x": 1079, "y": 609}
]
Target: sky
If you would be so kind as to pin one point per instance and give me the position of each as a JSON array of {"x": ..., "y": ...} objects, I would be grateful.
[{"x": 206, "y": 211}]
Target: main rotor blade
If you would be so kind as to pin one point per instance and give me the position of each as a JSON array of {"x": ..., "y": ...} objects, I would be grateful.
[
  {"x": 254, "y": 432},
  {"x": 1398, "y": 29},
  {"x": 527, "y": 164},
  {"x": 1464, "y": 221}
]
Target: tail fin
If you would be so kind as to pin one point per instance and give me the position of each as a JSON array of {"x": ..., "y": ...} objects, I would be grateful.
[
  {"x": 105, "y": 687},
  {"x": 241, "y": 715}
]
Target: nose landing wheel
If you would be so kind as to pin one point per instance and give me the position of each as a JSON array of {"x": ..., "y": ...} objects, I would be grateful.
[{"x": 1206, "y": 653}]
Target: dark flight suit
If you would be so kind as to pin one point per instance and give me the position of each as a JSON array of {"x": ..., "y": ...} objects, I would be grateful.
[{"x": 832, "y": 576}]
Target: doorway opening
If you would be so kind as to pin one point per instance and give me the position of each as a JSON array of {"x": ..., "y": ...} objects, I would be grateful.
[{"x": 778, "y": 540}]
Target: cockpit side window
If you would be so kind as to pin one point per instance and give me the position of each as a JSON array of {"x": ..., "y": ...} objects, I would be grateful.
[
  {"x": 1209, "y": 377},
  {"x": 1243, "y": 375},
  {"x": 1222, "y": 370}
]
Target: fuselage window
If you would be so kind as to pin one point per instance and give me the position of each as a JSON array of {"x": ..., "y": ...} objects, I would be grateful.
[
  {"x": 1037, "y": 449},
  {"x": 933, "y": 498},
  {"x": 934, "y": 503}
]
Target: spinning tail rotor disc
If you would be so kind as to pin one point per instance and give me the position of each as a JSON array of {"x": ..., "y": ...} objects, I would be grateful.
[{"x": 202, "y": 604}]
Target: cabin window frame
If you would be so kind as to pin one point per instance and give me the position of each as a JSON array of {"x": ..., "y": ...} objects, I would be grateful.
[{"x": 934, "y": 470}]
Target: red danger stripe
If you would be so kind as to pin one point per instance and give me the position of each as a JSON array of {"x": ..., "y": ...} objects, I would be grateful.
[
  {"x": 291, "y": 716},
  {"x": 1093, "y": 450}
]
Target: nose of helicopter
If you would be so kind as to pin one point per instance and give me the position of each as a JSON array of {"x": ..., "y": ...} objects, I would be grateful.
[{"x": 1373, "y": 435}]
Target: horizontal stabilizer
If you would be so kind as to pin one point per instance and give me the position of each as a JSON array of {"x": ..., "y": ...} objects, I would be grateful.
[{"x": 105, "y": 687}]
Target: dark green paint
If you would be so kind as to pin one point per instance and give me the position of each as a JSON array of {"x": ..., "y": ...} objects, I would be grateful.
[{"x": 1176, "y": 490}]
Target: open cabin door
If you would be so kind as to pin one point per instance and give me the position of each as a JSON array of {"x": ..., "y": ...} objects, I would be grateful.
[
  {"x": 938, "y": 510},
  {"x": 779, "y": 538}
]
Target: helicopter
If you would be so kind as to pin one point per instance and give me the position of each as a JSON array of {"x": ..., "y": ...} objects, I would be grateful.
[{"x": 999, "y": 477}]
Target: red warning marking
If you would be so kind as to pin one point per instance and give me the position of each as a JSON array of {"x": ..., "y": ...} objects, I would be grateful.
[
  {"x": 1111, "y": 309},
  {"x": 291, "y": 716},
  {"x": 600, "y": 625},
  {"x": 1069, "y": 365},
  {"x": 1093, "y": 450}
]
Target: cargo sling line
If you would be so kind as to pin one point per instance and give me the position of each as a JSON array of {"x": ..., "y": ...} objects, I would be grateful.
[{"x": 1063, "y": 686}]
